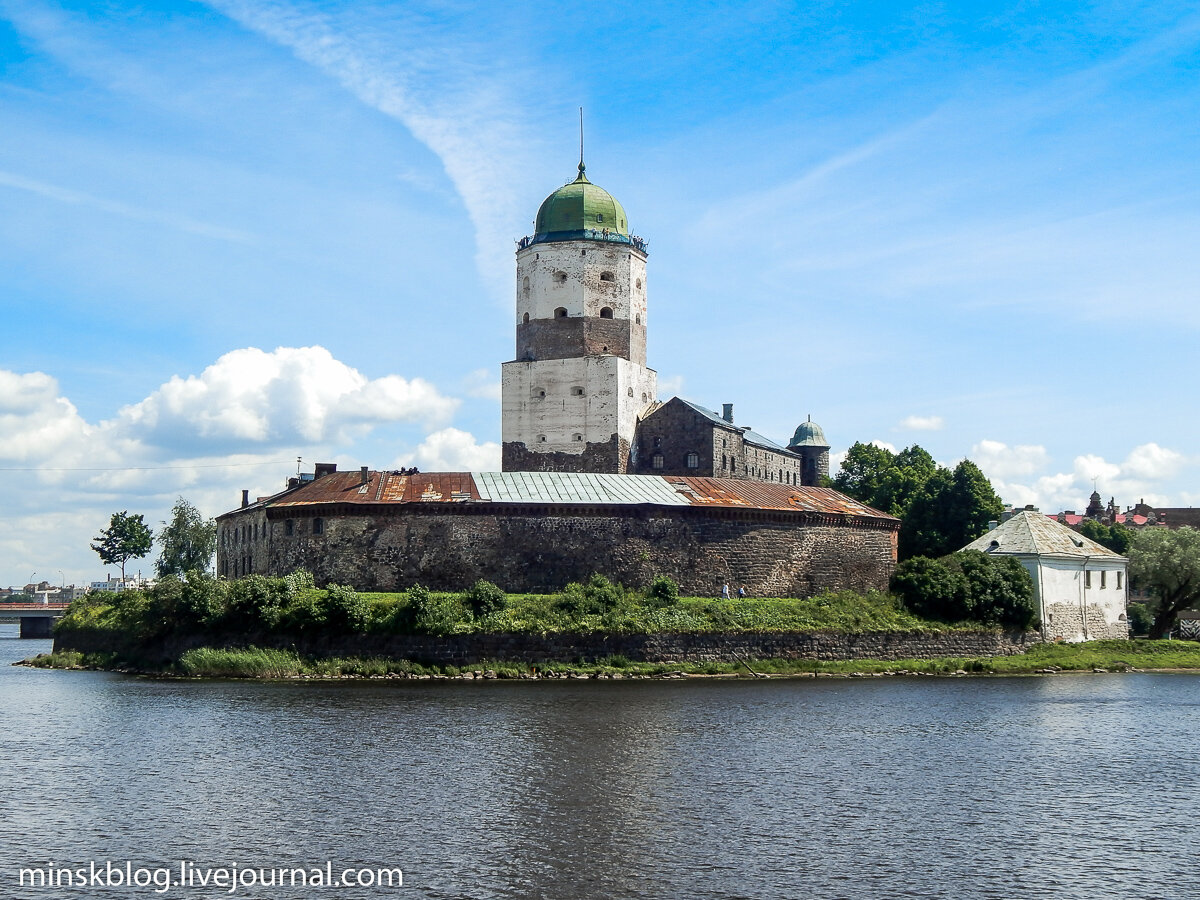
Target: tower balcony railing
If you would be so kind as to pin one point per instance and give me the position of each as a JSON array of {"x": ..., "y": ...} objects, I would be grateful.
[{"x": 589, "y": 234}]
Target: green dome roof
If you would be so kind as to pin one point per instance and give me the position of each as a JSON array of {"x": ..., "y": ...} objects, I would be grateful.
[
  {"x": 581, "y": 210},
  {"x": 809, "y": 434}
]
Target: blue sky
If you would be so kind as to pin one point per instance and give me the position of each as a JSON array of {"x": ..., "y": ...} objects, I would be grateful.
[{"x": 235, "y": 233}]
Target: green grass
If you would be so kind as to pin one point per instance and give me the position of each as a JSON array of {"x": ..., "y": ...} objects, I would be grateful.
[{"x": 253, "y": 662}]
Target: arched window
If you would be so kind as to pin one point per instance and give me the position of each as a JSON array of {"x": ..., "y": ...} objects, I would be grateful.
[
  {"x": 656, "y": 461},
  {"x": 318, "y": 525},
  {"x": 541, "y": 439},
  {"x": 289, "y": 527},
  {"x": 607, "y": 276},
  {"x": 606, "y": 312},
  {"x": 525, "y": 319},
  {"x": 525, "y": 286},
  {"x": 560, "y": 313},
  {"x": 577, "y": 437},
  {"x": 693, "y": 460},
  {"x": 638, "y": 284},
  {"x": 576, "y": 392},
  {"x": 560, "y": 278}
]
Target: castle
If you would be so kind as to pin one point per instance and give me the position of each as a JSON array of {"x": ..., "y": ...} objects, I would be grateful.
[
  {"x": 579, "y": 396},
  {"x": 597, "y": 475}
]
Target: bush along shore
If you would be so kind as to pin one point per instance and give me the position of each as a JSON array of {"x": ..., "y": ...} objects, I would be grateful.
[{"x": 200, "y": 626}]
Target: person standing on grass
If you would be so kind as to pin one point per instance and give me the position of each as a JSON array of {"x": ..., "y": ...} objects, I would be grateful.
[{"x": 725, "y": 591}]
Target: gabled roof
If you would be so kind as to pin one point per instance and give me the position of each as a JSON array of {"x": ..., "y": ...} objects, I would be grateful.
[
  {"x": 1033, "y": 534},
  {"x": 750, "y": 437}
]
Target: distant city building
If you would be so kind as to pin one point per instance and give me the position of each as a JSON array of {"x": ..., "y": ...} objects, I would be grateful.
[
  {"x": 1080, "y": 587},
  {"x": 1140, "y": 515}
]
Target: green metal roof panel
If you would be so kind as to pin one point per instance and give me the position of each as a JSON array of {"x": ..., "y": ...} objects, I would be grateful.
[{"x": 580, "y": 209}]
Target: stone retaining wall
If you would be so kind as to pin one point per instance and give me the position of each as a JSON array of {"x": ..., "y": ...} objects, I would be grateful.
[{"x": 534, "y": 648}]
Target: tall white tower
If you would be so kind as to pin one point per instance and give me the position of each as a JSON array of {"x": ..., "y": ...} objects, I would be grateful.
[{"x": 574, "y": 393}]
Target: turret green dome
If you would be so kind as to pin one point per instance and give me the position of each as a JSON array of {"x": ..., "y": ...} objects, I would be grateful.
[
  {"x": 809, "y": 434},
  {"x": 581, "y": 211}
]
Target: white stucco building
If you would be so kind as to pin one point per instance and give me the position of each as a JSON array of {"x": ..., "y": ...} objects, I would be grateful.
[{"x": 1080, "y": 587}]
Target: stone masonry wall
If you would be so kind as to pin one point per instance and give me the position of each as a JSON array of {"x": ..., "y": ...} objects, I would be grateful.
[
  {"x": 534, "y": 648},
  {"x": 1065, "y": 621},
  {"x": 543, "y": 548}
]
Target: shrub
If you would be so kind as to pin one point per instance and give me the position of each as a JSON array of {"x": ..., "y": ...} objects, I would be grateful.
[
  {"x": 341, "y": 608},
  {"x": 930, "y": 588},
  {"x": 994, "y": 590},
  {"x": 662, "y": 592},
  {"x": 597, "y": 597},
  {"x": 433, "y": 613},
  {"x": 255, "y": 602},
  {"x": 203, "y": 599},
  {"x": 484, "y": 598},
  {"x": 1141, "y": 620}
]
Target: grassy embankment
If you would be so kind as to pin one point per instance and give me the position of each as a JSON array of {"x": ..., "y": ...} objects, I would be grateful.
[{"x": 1112, "y": 656}]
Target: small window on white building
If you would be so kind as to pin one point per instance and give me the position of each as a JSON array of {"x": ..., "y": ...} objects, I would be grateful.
[
  {"x": 1103, "y": 579},
  {"x": 525, "y": 319},
  {"x": 576, "y": 392},
  {"x": 541, "y": 439},
  {"x": 638, "y": 284},
  {"x": 560, "y": 278},
  {"x": 607, "y": 276},
  {"x": 1118, "y": 580},
  {"x": 637, "y": 320},
  {"x": 577, "y": 437},
  {"x": 606, "y": 312},
  {"x": 1087, "y": 578},
  {"x": 693, "y": 460},
  {"x": 656, "y": 461},
  {"x": 560, "y": 313},
  {"x": 525, "y": 286},
  {"x": 631, "y": 392}
]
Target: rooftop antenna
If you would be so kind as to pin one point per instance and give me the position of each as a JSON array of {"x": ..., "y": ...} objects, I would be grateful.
[
  {"x": 297, "y": 465},
  {"x": 582, "y": 167}
]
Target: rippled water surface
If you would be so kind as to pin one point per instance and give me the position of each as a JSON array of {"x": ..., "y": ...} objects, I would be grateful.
[{"x": 1063, "y": 787}]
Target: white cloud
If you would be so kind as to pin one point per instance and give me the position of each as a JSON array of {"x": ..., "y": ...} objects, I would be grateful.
[
  {"x": 671, "y": 386},
  {"x": 1152, "y": 461},
  {"x": 454, "y": 450},
  {"x": 890, "y": 448},
  {"x": 458, "y": 100},
  {"x": 922, "y": 423},
  {"x": 484, "y": 384},
  {"x": 290, "y": 395},
  {"x": 999, "y": 460}
]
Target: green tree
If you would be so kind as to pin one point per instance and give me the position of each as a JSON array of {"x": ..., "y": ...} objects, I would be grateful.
[
  {"x": 126, "y": 537},
  {"x": 188, "y": 541},
  {"x": 952, "y": 509},
  {"x": 1115, "y": 537},
  {"x": 1167, "y": 563}
]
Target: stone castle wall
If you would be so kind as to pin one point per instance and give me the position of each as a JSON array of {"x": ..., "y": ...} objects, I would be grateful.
[
  {"x": 541, "y": 548},
  {"x": 1067, "y": 622}
]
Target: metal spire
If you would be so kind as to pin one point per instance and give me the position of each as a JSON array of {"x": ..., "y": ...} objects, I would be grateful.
[{"x": 582, "y": 167}]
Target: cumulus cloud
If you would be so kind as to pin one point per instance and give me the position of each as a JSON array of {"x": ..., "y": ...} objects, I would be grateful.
[
  {"x": 998, "y": 459},
  {"x": 484, "y": 384},
  {"x": 290, "y": 395},
  {"x": 922, "y": 423},
  {"x": 36, "y": 422},
  {"x": 454, "y": 450}
]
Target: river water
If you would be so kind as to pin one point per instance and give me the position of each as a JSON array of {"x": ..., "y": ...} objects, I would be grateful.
[{"x": 1057, "y": 787}]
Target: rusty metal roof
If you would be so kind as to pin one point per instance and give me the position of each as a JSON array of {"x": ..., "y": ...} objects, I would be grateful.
[{"x": 573, "y": 488}]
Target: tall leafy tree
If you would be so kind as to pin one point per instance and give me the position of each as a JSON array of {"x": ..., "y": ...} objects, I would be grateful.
[
  {"x": 952, "y": 510},
  {"x": 126, "y": 537},
  {"x": 1115, "y": 537},
  {"x": 188, "y": 541},
  {"x": 1167, "y": 563}
]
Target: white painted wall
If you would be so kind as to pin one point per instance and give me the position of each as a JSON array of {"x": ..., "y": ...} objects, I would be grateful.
[{"x": 1070, "y": 608}]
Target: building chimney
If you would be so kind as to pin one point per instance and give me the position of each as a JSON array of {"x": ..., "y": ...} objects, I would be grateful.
[
  {"x": 727, "y": 412},
  {"x": 245, "y": 498},
  {"x": 363, "y": 477},
  {"x": 993, "y": 525}
]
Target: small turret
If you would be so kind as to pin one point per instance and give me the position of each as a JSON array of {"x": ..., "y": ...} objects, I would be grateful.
[{"x": 809, "y": 441}]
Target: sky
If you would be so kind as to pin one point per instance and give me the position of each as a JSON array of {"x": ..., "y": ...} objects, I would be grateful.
[{"x": 234, "y": 234}]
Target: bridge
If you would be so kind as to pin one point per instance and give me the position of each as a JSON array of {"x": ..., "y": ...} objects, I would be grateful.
[{"x": 36, "y": 619}]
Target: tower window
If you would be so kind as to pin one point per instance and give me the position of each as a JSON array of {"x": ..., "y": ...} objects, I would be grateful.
[
  {"x": 525, "y": 286},
  {"x": 560, "y": 313},
  {"x": 318, "y": 525},
  {"x": 693, "y": 460},
  {"x": 606, "y": 312},
  {"x": 638, "y": 284},
  {"x": 541, "y": 439},
  {"x": 577, "y": 437},
  {"x": 525, "y": 319},
  {"x": 631, "y": 392},
  {"x": 599, "y": 217},
  {"x": 560, "y": 277},
  {"x": 638, "y": 319},
  {"x": 607, "y": 276},
  {"x": 576, "y": 392},
  {"x": 656, "y": 461}
]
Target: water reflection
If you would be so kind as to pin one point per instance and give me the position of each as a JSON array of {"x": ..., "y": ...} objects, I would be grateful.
[{"x": 1023, "y": 787}]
